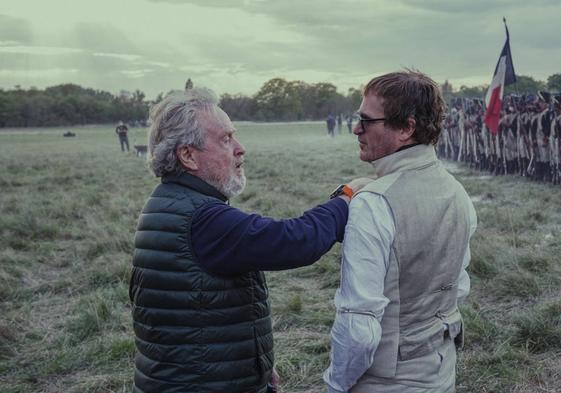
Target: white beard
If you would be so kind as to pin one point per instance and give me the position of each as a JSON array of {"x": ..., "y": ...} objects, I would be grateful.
[
  {"x": 230, "y": 188},
  {"x": 233, "y": 187}
]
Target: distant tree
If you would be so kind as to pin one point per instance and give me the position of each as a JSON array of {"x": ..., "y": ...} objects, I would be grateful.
[
  {"x": 38, "y": 109},
  {"x": 238, "y": 107},
  {"x": 3, "y": 108},
  {"x": 354, "y": 98},
  {"x": 138, "y": 96},
  {"x": 68, "y": 89},
  {"x": 554, "y": 83},
  {"x": 472, "y": 92},
  {"x": 525, "y": 84},
  {"x": 326, "y": 100},
  {"x": 276, "y": 101},
  {"x": 279, "y": 99},
  {"x": 302, "y": 99},
  {"x": 65, "y": 110},
  {"x": 9, "y": 109}
]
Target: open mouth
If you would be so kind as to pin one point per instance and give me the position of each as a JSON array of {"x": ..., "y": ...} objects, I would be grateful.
[{"x": 239, "y": 165}]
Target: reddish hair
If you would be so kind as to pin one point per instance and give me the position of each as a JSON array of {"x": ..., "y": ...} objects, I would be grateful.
[{"x": 407, "y": 94}]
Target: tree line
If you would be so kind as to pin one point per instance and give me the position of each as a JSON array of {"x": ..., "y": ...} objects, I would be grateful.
[
  {"x": 68, "y": 104},
  {"x": 277, "y": 100},
  {"x": 282, "y": 100}
]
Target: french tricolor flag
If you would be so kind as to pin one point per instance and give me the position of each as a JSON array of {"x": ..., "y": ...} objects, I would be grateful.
[{"x": 504, "y": 76}]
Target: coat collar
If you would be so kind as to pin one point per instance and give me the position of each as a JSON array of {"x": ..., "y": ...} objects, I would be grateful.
[
  {"x": 195, "y": 183},
  {"x": 412, "y": 158}
]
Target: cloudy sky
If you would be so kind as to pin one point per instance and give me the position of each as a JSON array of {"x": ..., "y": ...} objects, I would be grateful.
[{"x": 235, "y": 46}]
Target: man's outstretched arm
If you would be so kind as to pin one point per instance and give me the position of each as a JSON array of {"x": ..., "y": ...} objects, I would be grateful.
[{"x": 229, "y": 241}]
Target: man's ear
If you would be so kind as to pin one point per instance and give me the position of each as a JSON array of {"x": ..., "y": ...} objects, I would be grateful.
[
  {"x": 407, "y": 133},
  {"x": 186, "y": 157}
]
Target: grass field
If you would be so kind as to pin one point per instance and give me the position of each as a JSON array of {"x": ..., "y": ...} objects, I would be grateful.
[{"x": 68, "y": 214}]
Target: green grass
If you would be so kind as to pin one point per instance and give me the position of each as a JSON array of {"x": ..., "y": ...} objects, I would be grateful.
[
  {"x": 68, "y": 211},
  {"x": 540, "y": 329}
]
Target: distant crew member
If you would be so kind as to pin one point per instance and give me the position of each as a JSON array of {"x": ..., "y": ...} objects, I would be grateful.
[
  {"x": 330, "y": 124},
  {"x": 339, "y": 123},
  {"x": 122, "y": 131},
  {"x": 350, "y": 122}
]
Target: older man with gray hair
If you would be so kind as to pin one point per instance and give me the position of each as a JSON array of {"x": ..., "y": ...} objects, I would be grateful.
[{"x": 200, "y": 309}]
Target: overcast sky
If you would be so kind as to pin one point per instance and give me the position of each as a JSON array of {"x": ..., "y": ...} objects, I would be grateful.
[{"x": 234, "y": 46}]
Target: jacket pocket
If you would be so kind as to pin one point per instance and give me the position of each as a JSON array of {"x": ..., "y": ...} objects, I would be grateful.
[
  {"x": 456, "y": 330},
  {"x": 421, "y": 341}
]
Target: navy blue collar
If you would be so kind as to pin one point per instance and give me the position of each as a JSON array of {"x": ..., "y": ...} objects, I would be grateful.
[{"x": 194, "y": 183}]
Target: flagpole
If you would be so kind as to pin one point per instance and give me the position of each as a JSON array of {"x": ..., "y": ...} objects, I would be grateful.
[{"x": 508, "y": 39}]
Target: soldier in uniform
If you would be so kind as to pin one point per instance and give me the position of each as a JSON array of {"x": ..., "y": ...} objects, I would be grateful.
[
  {"x": 454, "y": 134},
  {"x": 500, "y": 151},
  {"x": 543, "y": 130},
  {"x": 533, "y": 137},
  {"x": 480, "y": 148},
  {"x": 461, "y": 134},
  {"x": 444, "y": 141},
  {"x": 509, "y": 136},
  {"x": 471, "y": 136},
  {"x": 523, "y": 140},
  {"x": 485, "y": 152},
  {"x": 555, "y": 142}
]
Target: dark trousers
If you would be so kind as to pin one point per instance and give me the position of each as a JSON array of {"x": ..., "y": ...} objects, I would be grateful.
[{"x": 124, "y": 140}]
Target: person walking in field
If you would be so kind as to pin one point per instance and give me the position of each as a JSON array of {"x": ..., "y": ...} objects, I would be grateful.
[
  {"x": 405, "y": 250},
  {"x": 330, "y": 122},
  {"x": 122, "y": 132},
  {"x": 339, "y": 123},
  {"x": 350, "y": 122},
  {"x": 200, "y": 304}
]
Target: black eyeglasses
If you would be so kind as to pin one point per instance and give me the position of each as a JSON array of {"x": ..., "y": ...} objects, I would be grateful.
[{"x": 365, "y": 119}]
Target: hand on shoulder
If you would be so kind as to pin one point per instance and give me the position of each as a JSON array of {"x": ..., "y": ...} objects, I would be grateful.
[{"x": 357, "y": 184}]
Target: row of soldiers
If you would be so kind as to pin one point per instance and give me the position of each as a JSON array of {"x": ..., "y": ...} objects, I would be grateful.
[{"x": 527, "y": 142}]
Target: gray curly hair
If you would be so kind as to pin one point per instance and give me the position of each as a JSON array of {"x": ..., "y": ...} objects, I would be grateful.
[{"x": 175, "y": 123}]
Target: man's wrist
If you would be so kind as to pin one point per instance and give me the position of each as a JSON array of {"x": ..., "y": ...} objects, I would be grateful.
[
  {"x": 345, "y": 198},
  {"x": 343, "y": 189}
]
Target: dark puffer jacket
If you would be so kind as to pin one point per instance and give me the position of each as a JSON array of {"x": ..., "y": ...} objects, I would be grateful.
[{"x": 195, "y": 332}]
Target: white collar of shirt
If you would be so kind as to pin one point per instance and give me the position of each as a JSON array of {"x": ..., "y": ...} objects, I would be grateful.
[{"x": 411, "y": 158}]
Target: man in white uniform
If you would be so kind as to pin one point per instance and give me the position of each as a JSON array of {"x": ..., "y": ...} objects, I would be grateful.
[{"x": 405, "y": 251}]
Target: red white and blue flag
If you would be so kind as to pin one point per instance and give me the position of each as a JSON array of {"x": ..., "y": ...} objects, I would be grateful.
[{"x": 503, "y": 76}]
